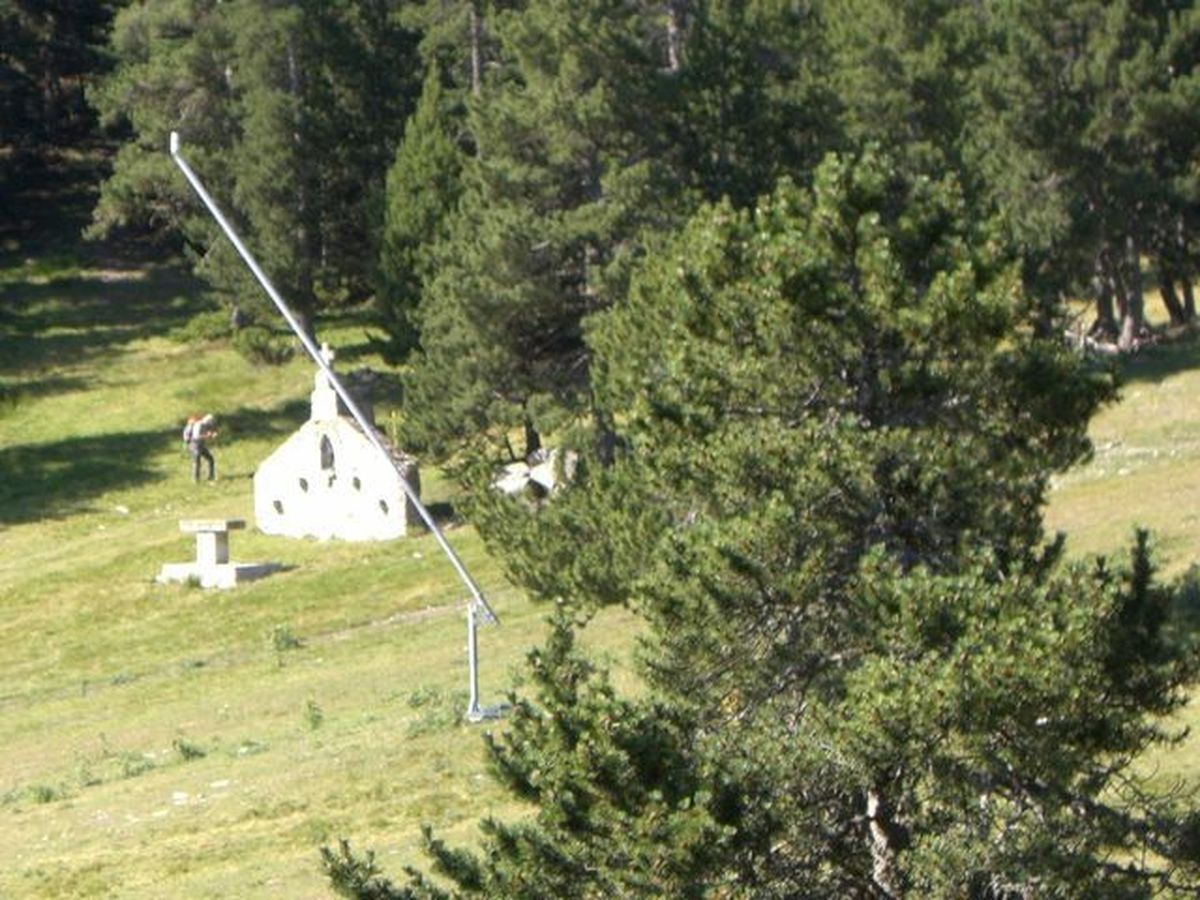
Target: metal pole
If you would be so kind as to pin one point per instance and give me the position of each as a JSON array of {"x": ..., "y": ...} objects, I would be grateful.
[
  {"x": 477, "y": 600},
  {"x": 474, "y": 712}
]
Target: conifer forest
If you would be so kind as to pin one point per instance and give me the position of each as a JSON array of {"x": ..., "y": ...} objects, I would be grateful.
[{"x": 817, "y": 296}]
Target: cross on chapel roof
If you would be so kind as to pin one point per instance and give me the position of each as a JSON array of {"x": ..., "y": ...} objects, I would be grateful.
[{"x": 324, "y": 398}]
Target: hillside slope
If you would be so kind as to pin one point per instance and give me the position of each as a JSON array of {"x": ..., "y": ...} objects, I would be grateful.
[
  {"x": 163, "y": 735},
  {"x": 165, "y": 740}
]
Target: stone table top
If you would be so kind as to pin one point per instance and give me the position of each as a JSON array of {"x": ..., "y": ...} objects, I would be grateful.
[{"x": 215, "y": 526}]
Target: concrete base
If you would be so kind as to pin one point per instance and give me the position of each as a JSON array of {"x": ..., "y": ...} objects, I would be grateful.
[
  {"x": 487, "y": 713},
  {"x": 221, "y": 575}
]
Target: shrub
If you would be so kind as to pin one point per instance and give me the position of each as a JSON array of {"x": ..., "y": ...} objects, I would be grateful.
[
  {"x": 283, "y": 640},
  {"x": 437, "y": 710},
  {"x": 44, "y": 793},
  {"x": 206, "y": 326},
  {"x": 263, "y": 346},
  {"x": 313, "y": 714},
  {"x": 189, "y": 751},
  {"x": 134, "y": 764}
]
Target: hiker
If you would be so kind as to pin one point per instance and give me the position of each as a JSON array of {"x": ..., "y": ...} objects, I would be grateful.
[{"x": 197, "y": 431}]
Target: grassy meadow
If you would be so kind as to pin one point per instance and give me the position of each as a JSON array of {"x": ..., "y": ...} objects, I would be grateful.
[{"x": 168, "y": 741}]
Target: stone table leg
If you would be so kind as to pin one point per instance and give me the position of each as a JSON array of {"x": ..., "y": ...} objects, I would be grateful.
[{"x": 212, "y": 548}]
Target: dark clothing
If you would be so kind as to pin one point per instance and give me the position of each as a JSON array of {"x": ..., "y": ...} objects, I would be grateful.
[
  {"x": 198, "y": 452},
  {"x": 195, "y": 433}
]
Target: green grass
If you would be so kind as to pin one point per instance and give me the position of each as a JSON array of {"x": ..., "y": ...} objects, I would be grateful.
[
  {"x": 210, "y": 741},
  {"x": 1144, "y": 473},
  {"x": 168, "y": 741},
  {"x": 1145, "y": 470}
]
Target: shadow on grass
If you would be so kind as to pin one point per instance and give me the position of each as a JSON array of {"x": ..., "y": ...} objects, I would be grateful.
[
  {"x": 443, "y": 513},
  {"x": 52, "y": 480},
  {"x": 1160, "y": 362},
  {"x": 381, "y": 388},
  {"x": 56, "y": 479},
  {"x": 64, "y": 300},
  {"x": 43, "y": 387},
  {"x": 251, "y": 422},
  {"x": 73, "y": 320},
  {"x": 348, "y": 354}
]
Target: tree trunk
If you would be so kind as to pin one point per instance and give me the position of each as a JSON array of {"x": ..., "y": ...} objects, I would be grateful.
[
  {"x": 476, "y": 38},
  {"x": 307, "y": 238},
  {"x": 1133, "y": 319},
  {"x": 1128, "y": 335},
  {"x": 533, "y": 441},
  {"x": 1105, "y": 325},
  {"x": 305, "y": 317},
  {"x": 885, "y": 871},
  {"x": 677, "y": 11},
  {"x": 1183, "y": 269},
  {"x": 1166, "y": 287}
]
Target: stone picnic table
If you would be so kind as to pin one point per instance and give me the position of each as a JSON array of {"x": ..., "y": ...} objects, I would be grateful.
[{"x": 212, "y": 568}]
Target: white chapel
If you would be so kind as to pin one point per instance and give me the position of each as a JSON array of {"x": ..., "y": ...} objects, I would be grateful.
[{"x": 328, "y": 481}]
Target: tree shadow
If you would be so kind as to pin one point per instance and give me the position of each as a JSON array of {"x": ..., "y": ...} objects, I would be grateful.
[
  {"x": 1157, "y": 363},
  {"x": 350, "y": 353},
  {"x": 45, "y": 387},
  {"x": 252, "y": 422},
  {"x": 444, "y": 514},
  {"x": 48, "y": 198},
  {"x": 66, "y": 300},
  {"x": 351, "y": 350},
  {"x": 72, "y": 320},
  {"x": 57, "y": 479},
  {"x": 380, "y": 387}
]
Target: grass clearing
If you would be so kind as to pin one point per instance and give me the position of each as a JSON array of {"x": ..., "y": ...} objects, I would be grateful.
[
  {"x": 1144, "y": 473},
  {"x": 211, "y": 741}
]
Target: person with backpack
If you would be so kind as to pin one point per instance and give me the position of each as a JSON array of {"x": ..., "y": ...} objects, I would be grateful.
[{"x": 196, "y": 433}]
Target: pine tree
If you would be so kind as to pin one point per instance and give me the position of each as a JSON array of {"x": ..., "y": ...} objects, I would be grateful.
[
  {"x": 1163, "y": 125},
  {"x": 1062, "y": 148},
  {"x": 564, "y": 181},
  {"x": 601, "y": 127},
  {"x": 290, "y": 111},
  {"x": 901, "y": 75},
  {"x": 456, "y": 37},
  {"x": 865, "y": 673},
  {"x": 172, "y": 72},
  {"x": 750, "y": 98},
  {"x": 275, "y": 160},
  {"x": 423, "y": 189},
  {"x": 49, "y": 52}
]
